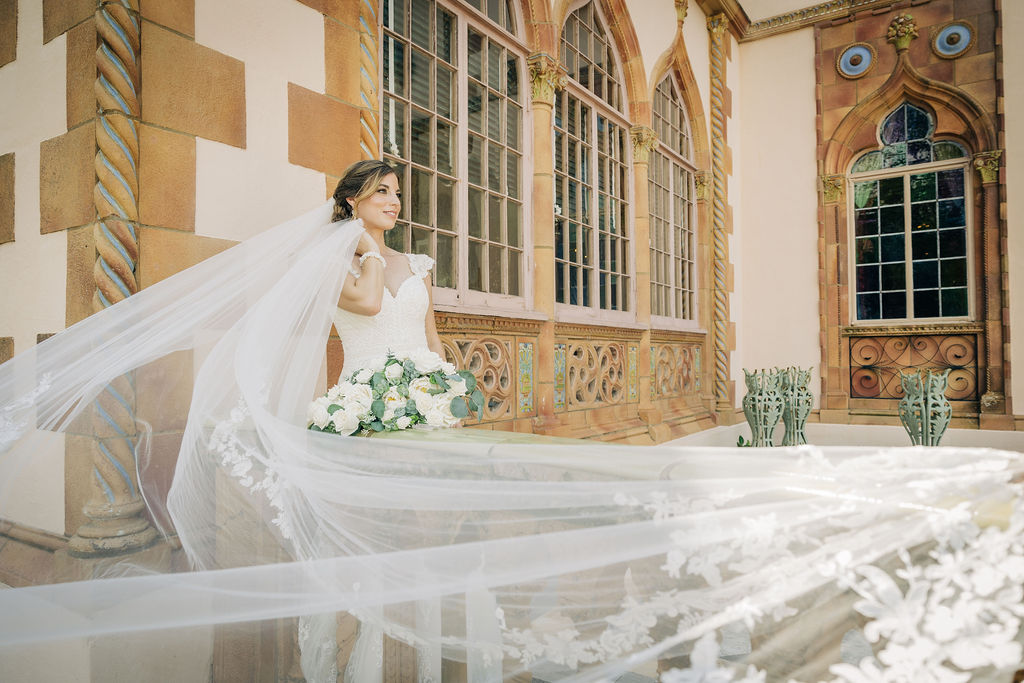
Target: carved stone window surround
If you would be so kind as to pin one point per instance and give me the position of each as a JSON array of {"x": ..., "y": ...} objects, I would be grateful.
[
  {"x": 903, "y": 330},
  {"x": 465, "y": 323},
  {"x": 573, "y": 330}
]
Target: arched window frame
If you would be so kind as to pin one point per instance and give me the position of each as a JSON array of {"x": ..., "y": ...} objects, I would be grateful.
[
  {"x": 905, "y": 171},
  {"x": 457, "y": 294},
  {"x": 676, "y": 274},
  {"x": 592, "y": 308}
]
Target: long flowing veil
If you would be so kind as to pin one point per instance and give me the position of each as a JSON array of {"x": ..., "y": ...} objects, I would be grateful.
[{"x": 551, "y": 560}]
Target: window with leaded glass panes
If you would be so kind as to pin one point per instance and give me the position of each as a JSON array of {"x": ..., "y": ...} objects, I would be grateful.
[
  {"x": 670, "y": 199},
  {"x": 494, "y": 160},
  {"x": 592, "y": 245},
  {"x": 911, "y": 251},
  {"x": 587, "y": 55},
  {"x": 452, "y": 123}
]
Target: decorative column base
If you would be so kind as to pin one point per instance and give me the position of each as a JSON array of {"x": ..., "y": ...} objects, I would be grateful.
[
  {"x": 112, "y": 530},
  {"x": 993, "y": 402}
]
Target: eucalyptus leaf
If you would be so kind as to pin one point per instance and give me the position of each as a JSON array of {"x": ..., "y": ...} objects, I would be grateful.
[
  {"x": 333, "y": 408},
  {"x": 439, "y": 380},
  {"x": 478, "y": 399},
  {"x": 377, "y": 408},
  {"x": 377, "y": 426},
  {"x": 469, "y": 379},
  {"x": 459, "y": 408}
]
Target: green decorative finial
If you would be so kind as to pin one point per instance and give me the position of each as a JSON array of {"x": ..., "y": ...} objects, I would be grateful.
[
  {"x": 762, "y": 405},
  {"x": 797, "y": 403},
  {"x": 924, "y": 409},
  {"x": 901, "y": 31}
]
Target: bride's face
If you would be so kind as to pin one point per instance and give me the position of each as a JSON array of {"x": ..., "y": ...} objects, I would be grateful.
[{"x": 380, "y": 210}]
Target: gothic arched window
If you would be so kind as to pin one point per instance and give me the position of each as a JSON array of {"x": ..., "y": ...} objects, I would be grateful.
[
  {"x": 453, "y": 95},
  {"x": 670, "y": 187},
  {"x": 592, "y": 236},
  {"x": 911, "y": 246}
]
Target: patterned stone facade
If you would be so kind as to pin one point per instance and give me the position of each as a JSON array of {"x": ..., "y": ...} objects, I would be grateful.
[{"x": 961, "y": 93}]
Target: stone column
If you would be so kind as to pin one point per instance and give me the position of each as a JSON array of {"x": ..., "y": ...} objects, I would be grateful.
[
  {"x": 993, "y": 401},
  {"x": 721, "y": 342},
  {"x": 547, "y": 76},
  {"x": 834, "y": 370},
  {"x": 645, "y": 140},
  {"x": 115, "y": 509}
]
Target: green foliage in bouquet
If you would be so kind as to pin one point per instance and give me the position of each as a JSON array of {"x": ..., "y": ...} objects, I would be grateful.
[{"x": 396, "y": 394}]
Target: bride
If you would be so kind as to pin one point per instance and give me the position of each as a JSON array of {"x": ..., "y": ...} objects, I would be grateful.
[
  {"x": 385, "y": 302},
  {"x": 508, "y": 561}
]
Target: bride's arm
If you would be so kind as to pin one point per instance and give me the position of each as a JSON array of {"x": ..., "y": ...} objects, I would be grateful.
[
  {"x": 363, "y": 294},
  {"x": 433, "y": 340}
]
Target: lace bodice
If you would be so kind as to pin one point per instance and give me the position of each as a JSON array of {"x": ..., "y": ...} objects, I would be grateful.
[{"x": 398, "y": 327}]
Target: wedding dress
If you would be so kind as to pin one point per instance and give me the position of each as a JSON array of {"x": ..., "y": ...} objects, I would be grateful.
[
  {"x": 398, "y": 327},
  {"x": 545, "y": 560}
]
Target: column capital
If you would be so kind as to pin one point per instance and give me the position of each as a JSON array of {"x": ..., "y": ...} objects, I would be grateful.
[
  {"x": 681, "y": 6},
  {"x": 987, "y": 165},
  {"x": 547, "y": 76},
  {"x": 832, "y": 187},
  {"x": 702, "y": 185},
  {"x": 717, "y": 24},
  {"x": 644, "y": 140}
]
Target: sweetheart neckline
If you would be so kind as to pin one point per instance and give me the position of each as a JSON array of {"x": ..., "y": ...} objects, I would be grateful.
[{"x": 402, "y": 284}]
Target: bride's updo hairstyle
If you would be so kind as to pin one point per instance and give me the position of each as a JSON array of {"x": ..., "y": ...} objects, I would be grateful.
[{"x": 359, "y": 181}]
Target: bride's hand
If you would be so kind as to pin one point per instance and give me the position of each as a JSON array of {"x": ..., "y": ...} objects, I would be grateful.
[{"x": 365, "y": 244}]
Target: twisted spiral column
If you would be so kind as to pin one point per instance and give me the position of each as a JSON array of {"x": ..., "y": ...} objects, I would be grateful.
[
  {"x": 369, "y": 81},
  {"x": 115, "y": 524},
  {"x": 717, "y": 25}
]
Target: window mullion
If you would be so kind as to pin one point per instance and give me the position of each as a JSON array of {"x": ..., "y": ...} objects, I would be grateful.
[
  {"x": 908, "y": 256},
  {"x": 595, "y": 254},
  {"x": 462, "y": 176}
]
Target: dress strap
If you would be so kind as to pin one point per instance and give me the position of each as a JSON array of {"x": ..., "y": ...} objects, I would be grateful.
[{"x": 420, "y": 264}]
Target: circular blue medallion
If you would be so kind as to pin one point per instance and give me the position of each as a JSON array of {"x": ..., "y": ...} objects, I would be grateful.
[
  {"x": 856, "y": 60},
  {"x": 953, "y": 39}
]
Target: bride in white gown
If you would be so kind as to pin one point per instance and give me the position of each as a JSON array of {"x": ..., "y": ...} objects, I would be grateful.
[
  {"x": 560, "y": 562},
  {"x": 385, "y": 304}
]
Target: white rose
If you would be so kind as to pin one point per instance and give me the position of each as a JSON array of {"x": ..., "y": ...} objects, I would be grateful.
[
  {"x": 457, "y": 387},
  {"x": 345, "y": 421},
  {"x": 359, "y": 395},
  {"x": 318, "y": 414},
  {"x": 334, "y": 392},
  {"x": 435, "y": 416},
  {"x": 376, "y": 364},
  {"x": 439, "y": 414},
  {"x": 363, "y": 376},
  {"x": 419, "y": 392},
  {"x": 426, "y": 361},
  {"x": 403, "y": 422},
  {"x": 448, "y": 369},
  {"x": 394, "y": 372}
]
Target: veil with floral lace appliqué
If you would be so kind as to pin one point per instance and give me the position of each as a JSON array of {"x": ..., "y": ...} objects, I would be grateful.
[{"x": 494, "y": 558}]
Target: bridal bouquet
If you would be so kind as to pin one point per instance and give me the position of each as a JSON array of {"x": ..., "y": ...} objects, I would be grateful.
[{"x": 391, "y": 394}]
